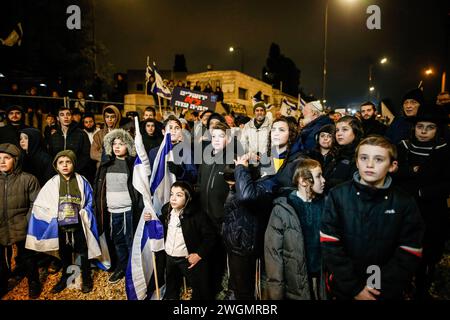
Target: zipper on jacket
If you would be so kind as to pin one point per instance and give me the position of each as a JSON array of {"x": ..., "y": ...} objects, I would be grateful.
[
  {"x": 207, "y": 186},
  {"x": 5, "y": 207}
]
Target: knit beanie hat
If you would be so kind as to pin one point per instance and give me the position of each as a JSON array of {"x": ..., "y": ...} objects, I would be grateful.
[
  {"x": 259, "y": 105},
  {"x": 65, "y": 153}
]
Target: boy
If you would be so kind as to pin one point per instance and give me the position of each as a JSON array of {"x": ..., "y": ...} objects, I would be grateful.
[
  {"x": 117, "y": 200},
  {"x": 62, "y": 220},
  {"x": 18, "y": 190},
  {"x": 367, "y": 225}
]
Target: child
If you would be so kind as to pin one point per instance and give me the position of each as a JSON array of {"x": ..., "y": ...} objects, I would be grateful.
[
  {"x": 348, "y": 134},
  {"x": 62, "y": 220},
  {"x": 368, "y": 224},
  {"x": 325, "y": 150},
  {"x": 18, "y": 190},
  {"x": 291, "y": 245},
  {"x": 189, "y": 239},
  {"x": 424, "y": 173},
  {"x": 117, "y": 200}
]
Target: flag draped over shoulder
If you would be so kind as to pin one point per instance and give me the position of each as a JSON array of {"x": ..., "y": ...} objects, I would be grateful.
[
  {"x": 149, "y": 235},
  {"x": 158, "y": 87},
  {"x": 162, "y": 179}
]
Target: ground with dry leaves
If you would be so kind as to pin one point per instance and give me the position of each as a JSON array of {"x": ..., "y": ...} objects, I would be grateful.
[{"x": 106, "y": 291}]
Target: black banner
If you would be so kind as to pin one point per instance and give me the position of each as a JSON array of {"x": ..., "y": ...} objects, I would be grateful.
[{"x": 194, "y": 100}]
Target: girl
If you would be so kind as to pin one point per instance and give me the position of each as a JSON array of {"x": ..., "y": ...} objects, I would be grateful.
[
  {"x": 292, "y": 243},
  {"x": 348, "y": 134},
  {"x": 325, "y": 150},
  {"x": 424, "y": 173},
  {"x": 188, "y": 241}
]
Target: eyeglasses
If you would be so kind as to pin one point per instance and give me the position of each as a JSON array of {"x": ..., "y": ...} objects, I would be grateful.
[{"x": 430, "y": 127}]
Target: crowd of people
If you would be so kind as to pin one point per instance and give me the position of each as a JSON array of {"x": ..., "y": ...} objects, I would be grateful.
[{"x": 282, "y": 208}]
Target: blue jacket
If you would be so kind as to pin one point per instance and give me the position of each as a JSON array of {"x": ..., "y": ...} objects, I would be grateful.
[{"x": 307, "y": 136}]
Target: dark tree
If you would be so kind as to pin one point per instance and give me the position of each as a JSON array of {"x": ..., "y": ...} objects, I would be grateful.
[
  {"x": 180, "y": 63},
  {"x": 281, "y": 71}
]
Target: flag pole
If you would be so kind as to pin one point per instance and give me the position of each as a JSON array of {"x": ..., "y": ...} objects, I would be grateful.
[
  {"x": 155, "y": 274},
  {"x": 147, "y": 79},
  {"x": 160, "y": 110}
]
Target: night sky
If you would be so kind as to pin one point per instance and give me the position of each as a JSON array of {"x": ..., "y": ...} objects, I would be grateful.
[{"x": 412, "y": 36}]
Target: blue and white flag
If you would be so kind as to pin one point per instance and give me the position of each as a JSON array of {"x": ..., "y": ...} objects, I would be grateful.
[
  {"x": 301, "y": 103},
  {"x": 289, "y": 109},
  {"x": 158, "y": 86},
  {"x": 162, "y": 179},
  {"x": 149, "y": 235}
]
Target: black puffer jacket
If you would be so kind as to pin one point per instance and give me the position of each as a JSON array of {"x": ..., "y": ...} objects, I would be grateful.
[
  {"x": 342, "y": 167},
  {"x": 361, "y": 227},
  {"x": 77, "y": 141},
  {"x": 213, "y": 188},
  {"x": 247, "y": 211}
]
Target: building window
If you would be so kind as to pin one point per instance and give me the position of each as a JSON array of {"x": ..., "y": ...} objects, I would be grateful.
[
  {"x": 243, "y": 93},
  {"x": 139, "y": 87}
]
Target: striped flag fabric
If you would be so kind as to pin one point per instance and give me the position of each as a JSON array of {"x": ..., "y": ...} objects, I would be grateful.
[
  {"x": 158, "y": 86},
  {"x": 149, "y": 235},
  {"x": 162, "y": 179}
]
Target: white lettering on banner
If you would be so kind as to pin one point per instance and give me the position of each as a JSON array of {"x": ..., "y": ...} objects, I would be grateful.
[
  {"x": 374, "y": 21},
  {"x": 74, "y": 20}
]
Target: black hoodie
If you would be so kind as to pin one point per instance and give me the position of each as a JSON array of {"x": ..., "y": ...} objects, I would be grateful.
[{"x": 37, "y": 161}]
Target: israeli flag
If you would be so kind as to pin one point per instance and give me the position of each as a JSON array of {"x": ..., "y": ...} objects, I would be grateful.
[
  {"x": 149, "y": 235},
  {"x": 162, "y": 179},
  {"x": 158, "y": 86}
]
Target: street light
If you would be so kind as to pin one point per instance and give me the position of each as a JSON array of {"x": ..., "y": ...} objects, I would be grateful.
[
  {"x": 241, "y": 51},
  {"x": 325, "y": 38},
  {"x": 382, "y": 61},
  {"x": 429, "y": 71}
]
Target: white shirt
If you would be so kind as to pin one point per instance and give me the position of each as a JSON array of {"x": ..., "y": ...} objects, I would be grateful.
[{"x": 175, "y": 245}]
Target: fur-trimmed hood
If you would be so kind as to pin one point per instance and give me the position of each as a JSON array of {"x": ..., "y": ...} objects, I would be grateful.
[{"x": 122, "y": 135}]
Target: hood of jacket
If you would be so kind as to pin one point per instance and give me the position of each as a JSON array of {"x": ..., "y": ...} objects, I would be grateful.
[
  {"x": 122, "y": 135},
  {"x": 34, "y": 140},
  {"x": 14, "y": 151},
  {"x": 116, "y": 112}
]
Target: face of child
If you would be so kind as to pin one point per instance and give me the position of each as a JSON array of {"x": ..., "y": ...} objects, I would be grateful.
[
  {"x": 24, "y": 141},
  {"x": 218, "y": 139},
  {"x": 119, "y": 148},
  {"x": 177, "y": 198},
  {"x": 425, "y": 131},
  {"x": 325, "y": 140},
  {"x": 64, "y": 166},
  {"x": 344, "y": 133},
  {"x": 279, "y": 134},
  {"x": 319, "y": 180},
  {"x": 50, "y": 121},
  {"x": 373, "y": 164},
  {"x": 175, "y": 131},
  {"x": 150, "y": 128},
  {"x": 6, "y": 163}
]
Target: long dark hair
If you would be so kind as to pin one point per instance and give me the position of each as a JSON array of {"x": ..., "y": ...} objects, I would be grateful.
[{"x": 292, "y": 134}]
